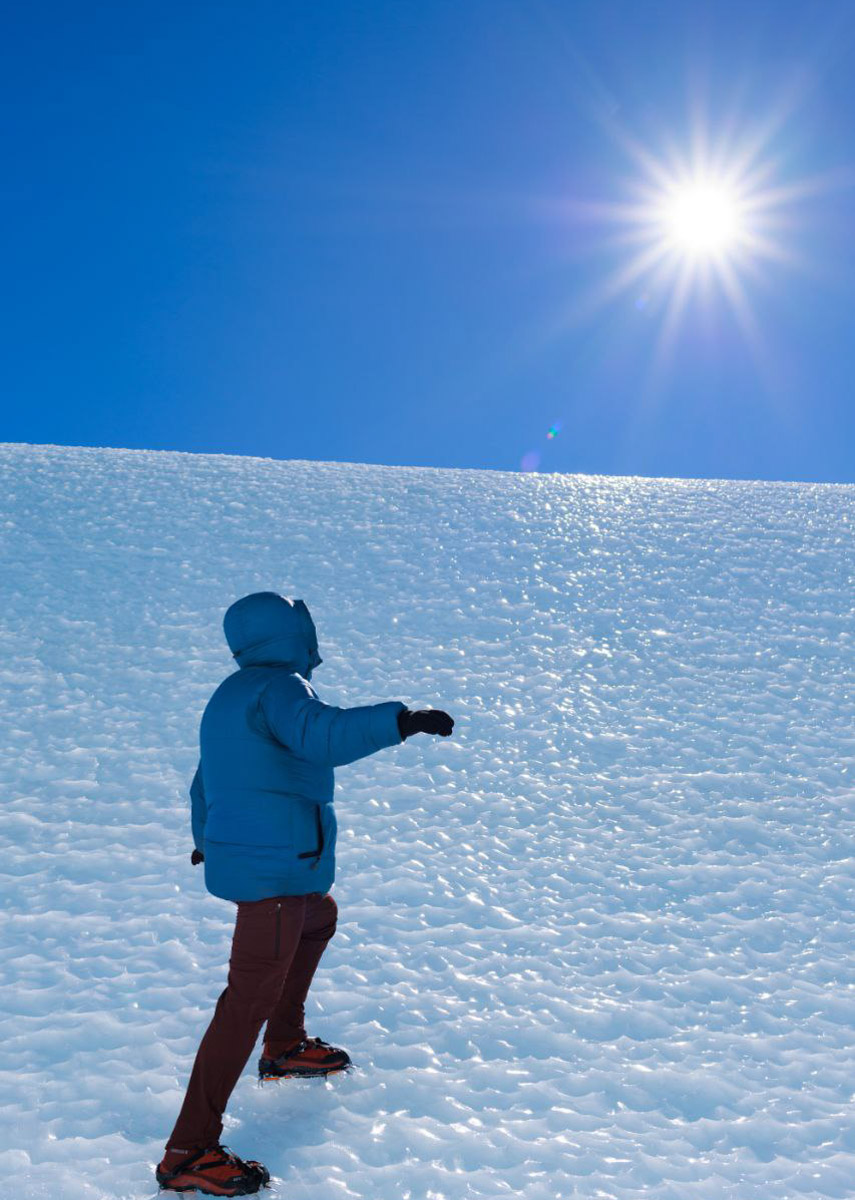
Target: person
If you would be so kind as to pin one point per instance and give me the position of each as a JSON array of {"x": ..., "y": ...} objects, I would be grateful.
[{"x": 264, "y": 825}]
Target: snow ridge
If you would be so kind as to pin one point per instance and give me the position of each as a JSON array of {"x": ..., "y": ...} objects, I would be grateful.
[{"x": 598, "y": 944}]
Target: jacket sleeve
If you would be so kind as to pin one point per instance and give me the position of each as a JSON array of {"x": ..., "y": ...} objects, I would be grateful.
[
  {"x": 199, "y": 809},
  {"x": 323, "y": 733}
]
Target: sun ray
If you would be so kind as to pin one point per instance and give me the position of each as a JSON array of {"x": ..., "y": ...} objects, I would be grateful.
[
  {"x": 622, "y": 279},
  {"x": 765, "y": 361},
  {"x": 802, "y": 189},
  {"x": 668, "y": 332}
]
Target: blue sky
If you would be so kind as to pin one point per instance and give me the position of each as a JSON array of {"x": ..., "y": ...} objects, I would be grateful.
[{"x": 407, "y": 233}]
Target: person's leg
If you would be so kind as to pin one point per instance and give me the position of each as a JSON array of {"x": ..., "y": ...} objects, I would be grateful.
[
  {"x": 285, "y": 1026},
  {"x": 267, "y": 937}
]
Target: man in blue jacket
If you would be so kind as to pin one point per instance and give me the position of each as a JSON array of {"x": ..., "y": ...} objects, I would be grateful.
[{"x": 264, "y": 825}]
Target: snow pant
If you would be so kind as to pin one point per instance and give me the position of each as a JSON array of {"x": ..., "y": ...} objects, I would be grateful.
[{"x": 276, "y": 948}]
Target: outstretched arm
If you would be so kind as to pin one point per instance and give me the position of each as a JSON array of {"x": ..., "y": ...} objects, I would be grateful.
[{"x": 324, "y": 733}]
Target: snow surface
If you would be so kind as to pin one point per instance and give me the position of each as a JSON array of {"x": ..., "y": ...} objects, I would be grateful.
[{"x": 598, "y": 944}]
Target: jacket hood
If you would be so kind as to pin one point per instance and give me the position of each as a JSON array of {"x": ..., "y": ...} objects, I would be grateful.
[{"x": 265, "y": 629}]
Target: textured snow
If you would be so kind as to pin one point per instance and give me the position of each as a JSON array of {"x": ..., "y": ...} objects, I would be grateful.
[{"x": 598, "y": 944}]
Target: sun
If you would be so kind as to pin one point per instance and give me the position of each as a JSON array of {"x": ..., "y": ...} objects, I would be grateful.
[
  {"x": 703, "y": 218},
  {"x": 705, "y": 225},
  {"x": 696, "y": 229}
]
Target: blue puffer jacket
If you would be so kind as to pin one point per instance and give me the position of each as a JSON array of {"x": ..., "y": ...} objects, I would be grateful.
[{"x": 262, "y": 797}]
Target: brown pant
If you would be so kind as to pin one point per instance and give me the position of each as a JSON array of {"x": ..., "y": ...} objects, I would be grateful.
[{"x": 276, "y": 948}]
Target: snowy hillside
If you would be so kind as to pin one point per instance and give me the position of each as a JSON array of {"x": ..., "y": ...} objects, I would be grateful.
[{"x": 600, "y": 943}]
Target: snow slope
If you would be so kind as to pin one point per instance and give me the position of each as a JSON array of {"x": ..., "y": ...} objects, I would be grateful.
[{"x": 598, "y": 944}]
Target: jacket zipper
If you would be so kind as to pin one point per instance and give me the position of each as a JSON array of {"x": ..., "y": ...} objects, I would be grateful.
[
  {"x": 278, "y": 927},
  {"x": 316, "y": 854}
]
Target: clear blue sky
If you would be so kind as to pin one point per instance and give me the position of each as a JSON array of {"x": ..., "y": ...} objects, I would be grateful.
[{"x": 396, "y": 233}]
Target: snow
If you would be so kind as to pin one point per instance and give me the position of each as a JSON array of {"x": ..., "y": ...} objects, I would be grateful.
[{"x": 598, "y": 944}]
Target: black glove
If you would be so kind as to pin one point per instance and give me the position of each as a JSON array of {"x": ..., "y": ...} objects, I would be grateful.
[
  {"x": 196, "y": 857},
  {"x": 426, "y": 720}
]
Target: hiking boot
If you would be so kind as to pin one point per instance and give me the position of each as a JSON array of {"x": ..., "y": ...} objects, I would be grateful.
[
  {"x": 214, "y": 1171},
  {"x": 308, "y": 1058}
]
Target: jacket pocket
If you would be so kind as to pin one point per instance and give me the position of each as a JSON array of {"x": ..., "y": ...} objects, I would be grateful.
[{"x": 319, "y": 834}]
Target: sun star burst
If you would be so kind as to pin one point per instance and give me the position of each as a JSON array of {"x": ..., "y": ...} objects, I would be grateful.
[{"x": 698, "y": 228}]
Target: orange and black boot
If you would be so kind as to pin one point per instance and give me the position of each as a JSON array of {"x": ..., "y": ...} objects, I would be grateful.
[
  {"x": 308, "y": 1058},
  {"x": 214, "y": 1171}
]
